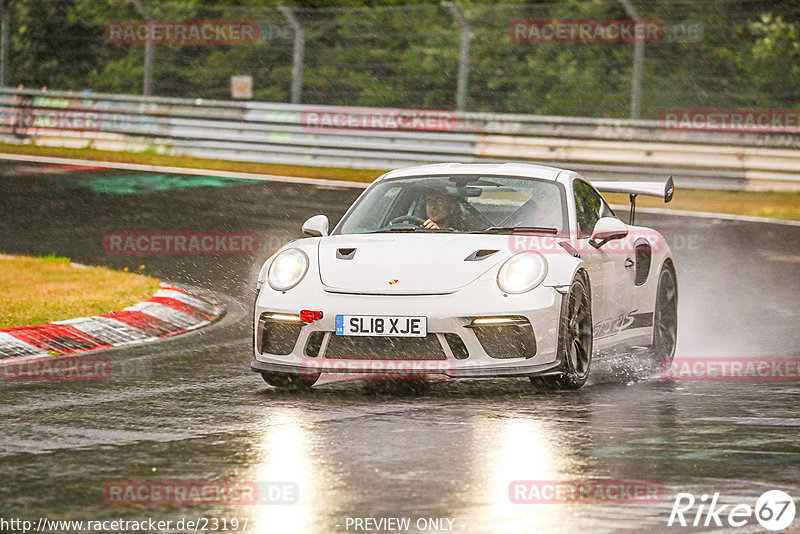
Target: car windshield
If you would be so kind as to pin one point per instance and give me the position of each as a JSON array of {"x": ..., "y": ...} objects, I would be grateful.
[{"x": 462, "y": 203}]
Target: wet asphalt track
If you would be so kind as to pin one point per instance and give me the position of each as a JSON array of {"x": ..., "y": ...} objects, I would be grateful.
[{"x": 194, "y": 411}]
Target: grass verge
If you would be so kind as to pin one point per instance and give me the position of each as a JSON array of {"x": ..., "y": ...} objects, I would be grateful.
[
  {"x": 777, "y": 205},
  {"x": 773, "y": 204},
  {"x": 42, "y": 290},
  {"x": 149, "y": 158}
]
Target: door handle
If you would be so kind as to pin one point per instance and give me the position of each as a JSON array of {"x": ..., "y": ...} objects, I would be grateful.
[{"x": 628, "y": 263}]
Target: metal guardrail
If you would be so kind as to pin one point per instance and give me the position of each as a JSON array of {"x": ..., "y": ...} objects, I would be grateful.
[{"x": 601, "y": 149}]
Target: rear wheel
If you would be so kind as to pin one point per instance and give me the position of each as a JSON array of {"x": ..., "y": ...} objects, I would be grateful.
[
  {"x": 665, "y": 318},
  {"x": 290, "y": 381},
  {"x": 574, "y": 341}
]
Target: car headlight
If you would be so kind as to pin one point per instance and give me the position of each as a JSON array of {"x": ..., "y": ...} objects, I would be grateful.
[
  {"x": 287, "y": 269},
  {"x": 522, "y": 272}
]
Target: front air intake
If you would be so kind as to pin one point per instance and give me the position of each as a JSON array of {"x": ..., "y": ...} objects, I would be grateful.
[
  {"x": 278, "y": 333},
  {"x": 505, "y": 337},
  {"x": 314, "y": 343},
  {"x": 384, "y": 348},
  {"x": 457, "y": 346}
]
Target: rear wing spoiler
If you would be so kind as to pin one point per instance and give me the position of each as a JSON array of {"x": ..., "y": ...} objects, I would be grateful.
[{"x": 652, "y": 189}]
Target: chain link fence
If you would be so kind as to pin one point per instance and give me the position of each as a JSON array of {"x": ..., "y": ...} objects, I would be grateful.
[{"x": 511, "y": 58}]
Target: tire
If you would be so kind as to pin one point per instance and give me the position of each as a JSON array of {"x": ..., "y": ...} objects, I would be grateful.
[
  {"x": 574, "y": 341},
  {"x": 289, "y": 381},
  {"x": 665, "y": 319}
]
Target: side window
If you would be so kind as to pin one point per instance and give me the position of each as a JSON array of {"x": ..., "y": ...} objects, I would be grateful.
[
  {"x": 589, "y": 207},
  {"x": 607, "y": 212}
]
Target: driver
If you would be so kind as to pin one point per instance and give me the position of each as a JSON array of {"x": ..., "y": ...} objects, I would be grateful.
[{"x": 442, "y": 211}]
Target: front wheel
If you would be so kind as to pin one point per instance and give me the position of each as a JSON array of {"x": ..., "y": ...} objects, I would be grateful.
[
  {"x": 290, "y": 381},
  {"x": 665, "y": 319},
  {"x": 574, "y": 341}
]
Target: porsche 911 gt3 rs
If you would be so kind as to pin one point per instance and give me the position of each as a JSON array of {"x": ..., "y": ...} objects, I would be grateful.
[{"x": 468, "y": 270}]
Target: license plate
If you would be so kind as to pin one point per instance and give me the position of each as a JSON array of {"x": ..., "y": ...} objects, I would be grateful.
[{"x": 381, "y": 325}]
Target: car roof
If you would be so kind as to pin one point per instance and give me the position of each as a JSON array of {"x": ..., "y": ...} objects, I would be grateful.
[{"x": 508, "y": 169}]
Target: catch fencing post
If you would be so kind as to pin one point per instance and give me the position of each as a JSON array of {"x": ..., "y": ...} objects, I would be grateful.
[
  {"x": 149, "y": 50},
  {"x": 4, "y": 39},
  {"x": 463, "y": 54},
  {"x": 638, "y": 62},
  {"x": 297, "y": 54}
]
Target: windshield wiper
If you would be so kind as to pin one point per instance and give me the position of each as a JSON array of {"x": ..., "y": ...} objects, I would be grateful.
[
  {"x": 413, "y": 229},
  {"x": 398, "y": 229},
  {"x": 521, "y": 229}
]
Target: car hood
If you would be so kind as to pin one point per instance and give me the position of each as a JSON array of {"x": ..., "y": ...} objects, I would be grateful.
[{"x": 407, "y": 264}]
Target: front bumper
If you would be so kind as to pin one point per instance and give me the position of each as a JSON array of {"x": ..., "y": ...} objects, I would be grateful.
[
  {"x": 446, "y": 314},
  {"x": 409, "y": 371}
]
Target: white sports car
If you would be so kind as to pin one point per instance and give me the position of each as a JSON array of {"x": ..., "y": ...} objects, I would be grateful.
[{"x": 468, "y": 270}]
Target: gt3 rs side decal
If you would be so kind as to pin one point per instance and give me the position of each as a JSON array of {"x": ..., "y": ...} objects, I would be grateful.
[{"x": 615, "y": 325}]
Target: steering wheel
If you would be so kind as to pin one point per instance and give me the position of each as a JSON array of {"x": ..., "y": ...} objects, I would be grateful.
[{"x": 408, "y": 218}]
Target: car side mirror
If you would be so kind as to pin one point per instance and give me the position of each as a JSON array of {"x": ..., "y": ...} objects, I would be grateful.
[
  {"x": 316, "y": 226},
  {"x": 606, "y": 229}
]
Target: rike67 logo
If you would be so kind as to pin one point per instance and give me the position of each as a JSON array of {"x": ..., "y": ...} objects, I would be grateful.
[{"x": 774, "y": 510}]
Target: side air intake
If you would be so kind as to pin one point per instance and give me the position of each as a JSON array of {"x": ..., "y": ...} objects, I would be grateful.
[
  {"x": 481, "y": 254},
  {"x": 345, "y": 253}
]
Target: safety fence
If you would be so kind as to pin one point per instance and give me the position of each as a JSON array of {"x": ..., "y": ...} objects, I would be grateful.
[{"x": 696, "y": 155}]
